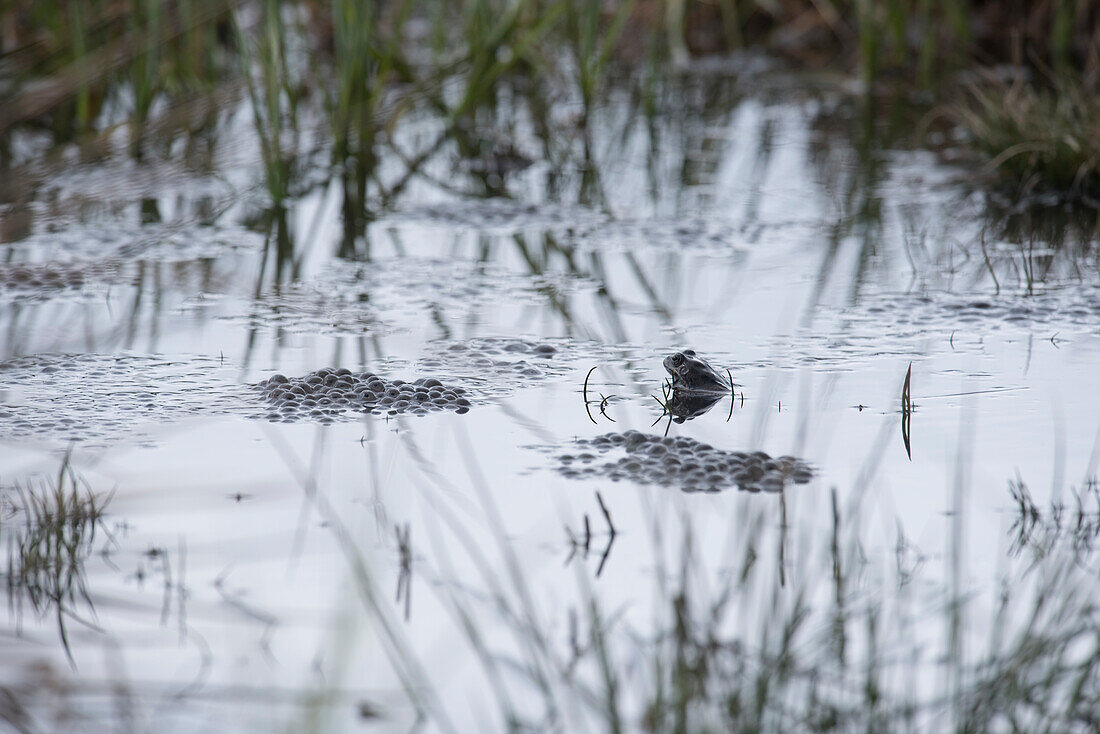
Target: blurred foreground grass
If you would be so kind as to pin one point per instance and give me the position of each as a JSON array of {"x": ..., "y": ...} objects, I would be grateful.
[{"x": 819, "y": 629}]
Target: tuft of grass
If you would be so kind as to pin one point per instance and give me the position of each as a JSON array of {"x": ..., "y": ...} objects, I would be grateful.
[
  {"x": 46, "y": 553},
  {"x": 1047, "y": 530},
  {"x": 592, "y": 43},
  {"x": 1035, "y": 139},
  {"x": 272, "y": 92}
]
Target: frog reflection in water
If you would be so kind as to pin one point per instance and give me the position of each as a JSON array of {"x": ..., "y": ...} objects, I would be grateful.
[{"x": 696, "y": 386}]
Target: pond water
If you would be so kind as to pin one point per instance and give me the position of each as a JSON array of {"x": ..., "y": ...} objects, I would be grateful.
[{"x": 524, "y": 544}]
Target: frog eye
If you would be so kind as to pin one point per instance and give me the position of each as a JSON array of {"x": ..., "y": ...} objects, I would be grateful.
[
  {"x": 677, "y": 359},
  {"x": 689, "y": 352}
]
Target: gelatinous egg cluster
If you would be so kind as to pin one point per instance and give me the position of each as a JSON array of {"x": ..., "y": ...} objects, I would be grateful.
[
  {"x": 900, "y": 324},
  {"x": 42, "y": 281},
  {"x": 93, "y": 398},
  {"x": 384, "y": 295},
  {"x": 682, "y": 462},
  {"x": 499, "y": 366},
  {"x": 328, "y": 393}
]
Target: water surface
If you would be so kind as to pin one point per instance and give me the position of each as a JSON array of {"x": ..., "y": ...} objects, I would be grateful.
[{"x": 360, "y": 566}]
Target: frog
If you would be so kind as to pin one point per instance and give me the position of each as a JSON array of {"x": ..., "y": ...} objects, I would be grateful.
[{"x": 692, "y": 373}]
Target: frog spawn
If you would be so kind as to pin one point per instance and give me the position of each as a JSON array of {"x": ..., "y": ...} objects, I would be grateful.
[
  {"x": 497, "y": 365},
  {"x": 42, "y": 281},
  {"x": 94, "y": 399},
  {"x": 680, "y": 461},
  {"x": 378, "y": 297},
  {"x": 327, "y": 393},
  {"x": 894, "y": 325}
]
